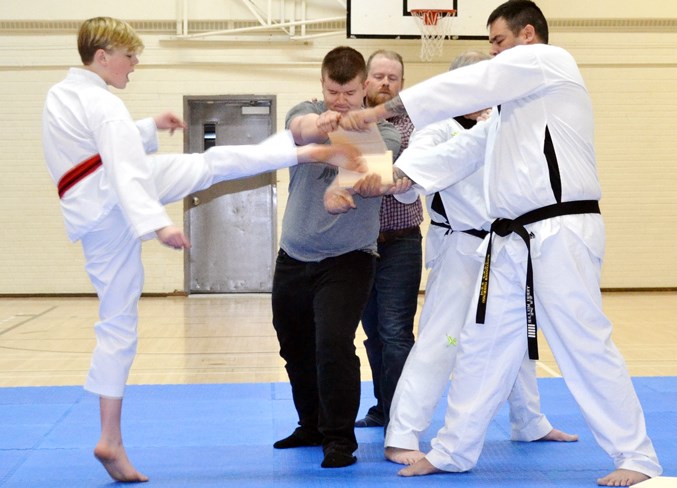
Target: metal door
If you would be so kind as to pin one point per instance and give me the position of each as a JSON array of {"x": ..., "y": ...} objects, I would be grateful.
[{"x": 232, "y": 225}]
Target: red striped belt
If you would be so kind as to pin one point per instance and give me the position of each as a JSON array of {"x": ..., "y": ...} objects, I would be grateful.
[{"x": 77, "y": 173}]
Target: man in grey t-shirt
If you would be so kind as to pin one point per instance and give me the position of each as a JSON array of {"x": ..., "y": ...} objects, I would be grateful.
[{"x": 324, "y": 273}]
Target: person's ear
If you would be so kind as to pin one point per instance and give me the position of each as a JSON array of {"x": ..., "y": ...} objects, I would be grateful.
[
  {"x": 101, "y": 56},
  {"x": 529, "y": 34}
]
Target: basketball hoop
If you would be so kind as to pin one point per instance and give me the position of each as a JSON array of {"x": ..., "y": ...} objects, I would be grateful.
[{"x": 434, "y": 26}]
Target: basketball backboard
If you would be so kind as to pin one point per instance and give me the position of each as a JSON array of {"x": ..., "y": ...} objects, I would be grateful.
[{"x": 390, "y": 19}]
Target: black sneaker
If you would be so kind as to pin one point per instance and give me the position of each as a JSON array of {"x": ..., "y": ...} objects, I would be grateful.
[
  {"x": 337, "y": 458},
  {"x": 370, "y": 420},
  {"x": 299, "y": 438}
]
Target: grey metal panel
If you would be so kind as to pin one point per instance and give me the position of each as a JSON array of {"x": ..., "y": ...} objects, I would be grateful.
[{"x": 232, "y": 225}]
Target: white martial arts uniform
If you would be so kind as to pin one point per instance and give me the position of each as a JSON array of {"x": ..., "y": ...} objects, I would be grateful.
[
  {"x": 543, "y": 104},
  {"x": 110, "y": 210},
  {"x": 454, "y": 263}
]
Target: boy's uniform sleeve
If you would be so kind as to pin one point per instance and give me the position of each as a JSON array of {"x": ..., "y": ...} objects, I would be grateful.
[{"x": 148, "y": 131}]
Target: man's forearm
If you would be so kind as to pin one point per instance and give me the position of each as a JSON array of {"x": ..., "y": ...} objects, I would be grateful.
[
  {"x": 361, "y": 119},
  {"x": 394, "y": 106},
  {"x": 399, "y": 174},
  {"x": 305, "y": 131}
]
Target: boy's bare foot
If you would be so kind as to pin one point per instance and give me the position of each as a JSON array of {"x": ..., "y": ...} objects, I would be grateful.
[
  {"x": 421, "y": 467},
  {"x": 115, "y": 460},
  {"x": 403, "y": 456},
  {"x": 558, "y": 436},
  {"x": 622, "y": 477}
]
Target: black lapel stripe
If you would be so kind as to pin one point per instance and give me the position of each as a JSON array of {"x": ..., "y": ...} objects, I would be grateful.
[
  {"x": 553, "y": 167},
  {"x": 438, "y": 206}
]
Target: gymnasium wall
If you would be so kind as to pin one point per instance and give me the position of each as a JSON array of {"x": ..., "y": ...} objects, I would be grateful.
[{"x": 626, "y": 57}]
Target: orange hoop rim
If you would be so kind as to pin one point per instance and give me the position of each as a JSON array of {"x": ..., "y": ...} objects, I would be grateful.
[{"x": 430, "y": 16}]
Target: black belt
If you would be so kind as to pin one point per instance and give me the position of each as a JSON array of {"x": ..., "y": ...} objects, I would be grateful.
[
  {"x": 473, "y": 232},
  {"x": 504, "y": 227}
]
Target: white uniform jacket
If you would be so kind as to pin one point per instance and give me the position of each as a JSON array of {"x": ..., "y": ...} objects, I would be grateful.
[
  {"x": 537, "y": 148},
  {"x": 463, "y": 201},
  {"x": 517, "y": 82},
  {"x": 81, "y": 118}
]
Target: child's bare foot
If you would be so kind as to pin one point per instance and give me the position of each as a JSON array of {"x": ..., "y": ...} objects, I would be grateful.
[
  {"x": 558, "y": 436},
  {"x": 622, "y": 477},
  {"x": 114, "y": 459},
  {"x": 421, "y": 467},
  {"x": 403, "y": 456}
]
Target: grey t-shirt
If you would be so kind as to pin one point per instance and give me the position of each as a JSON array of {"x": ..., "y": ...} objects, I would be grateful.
[{"x": 309, "y": 232}]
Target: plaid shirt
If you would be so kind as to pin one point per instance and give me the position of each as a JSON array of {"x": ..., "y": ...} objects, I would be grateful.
[{"x": 395, "y": 215}]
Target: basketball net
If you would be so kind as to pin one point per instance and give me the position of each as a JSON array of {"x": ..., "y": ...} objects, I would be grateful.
[{"x": 434, "y": 26}]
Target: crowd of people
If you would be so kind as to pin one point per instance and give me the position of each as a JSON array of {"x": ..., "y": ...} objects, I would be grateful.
[{"x": 501, "y": 147}]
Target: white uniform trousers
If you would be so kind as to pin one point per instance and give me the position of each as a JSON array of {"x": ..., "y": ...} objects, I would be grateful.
[
  {"x": 569, "y": 312},
  {"x": 113, "y": 251},
  {"x": 449, "y": 294}
]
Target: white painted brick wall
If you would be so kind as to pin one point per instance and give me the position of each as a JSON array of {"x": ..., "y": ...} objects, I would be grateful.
[{"x": 630, "y": 77}]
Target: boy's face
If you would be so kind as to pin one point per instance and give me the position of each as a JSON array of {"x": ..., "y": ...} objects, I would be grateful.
[
  {"x": 118, "y": 64},
  {"x": 342, "y": 98}
]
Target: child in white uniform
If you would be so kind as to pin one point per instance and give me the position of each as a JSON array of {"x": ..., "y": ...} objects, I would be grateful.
[{"x": 112, "y": 195}]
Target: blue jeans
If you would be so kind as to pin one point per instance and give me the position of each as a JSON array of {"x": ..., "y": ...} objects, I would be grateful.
[
  {"x": 316, "y": 312},
  {"x": 388, "y": 319}
]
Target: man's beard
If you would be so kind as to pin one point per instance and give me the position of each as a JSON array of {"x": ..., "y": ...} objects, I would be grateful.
[{"x": 378, "y": 98}]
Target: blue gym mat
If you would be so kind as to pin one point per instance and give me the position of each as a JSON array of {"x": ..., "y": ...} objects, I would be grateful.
[{"x": 222, "y": 435}]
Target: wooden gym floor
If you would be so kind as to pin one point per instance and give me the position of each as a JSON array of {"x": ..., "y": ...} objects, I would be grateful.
[{"x": 230, "y": 339}]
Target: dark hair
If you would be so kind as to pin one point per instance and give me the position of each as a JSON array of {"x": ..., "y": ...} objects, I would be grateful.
[
  {"x": 519, "y": 13},
  {"x": 342, "y": 64}
]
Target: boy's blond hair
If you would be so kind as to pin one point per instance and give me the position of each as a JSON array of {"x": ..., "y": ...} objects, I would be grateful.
[{"x": 106, "y": 33}]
